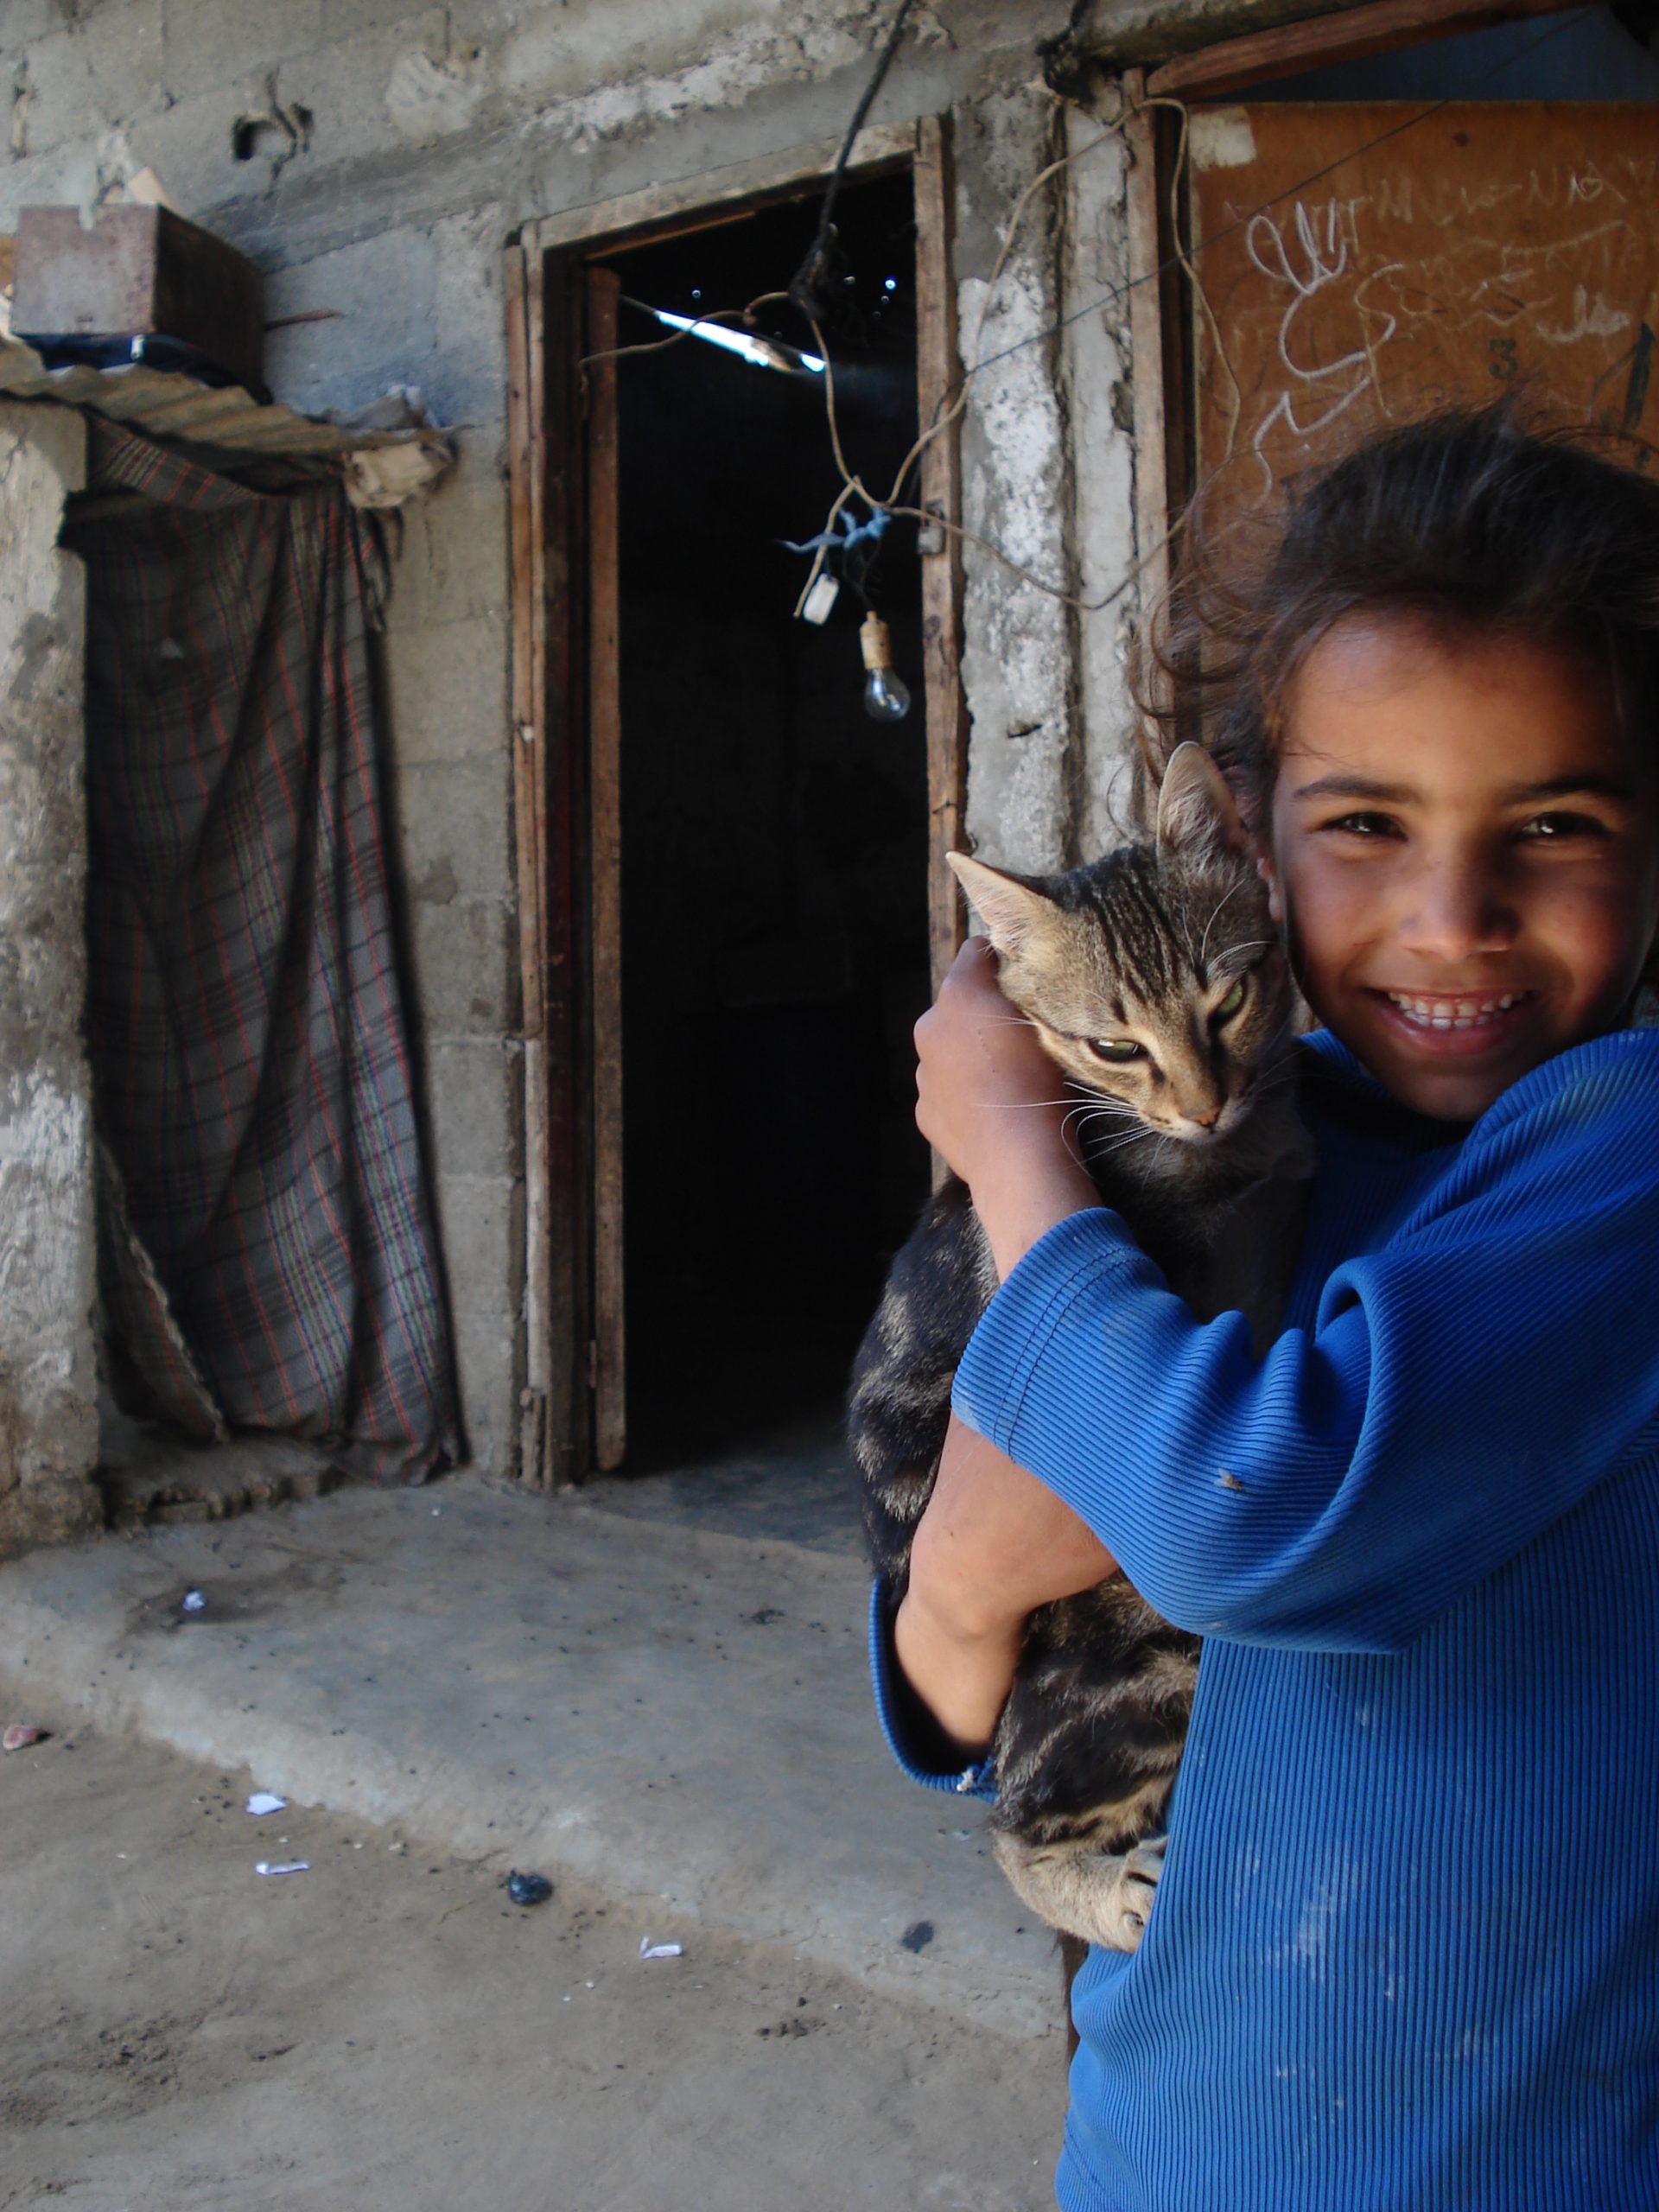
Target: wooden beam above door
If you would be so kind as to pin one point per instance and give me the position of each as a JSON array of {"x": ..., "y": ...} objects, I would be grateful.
[
  {"x": 799, "y": 167},
  {"x": 1321, "y": 41},
  {"x": 1114, "y": 34}
]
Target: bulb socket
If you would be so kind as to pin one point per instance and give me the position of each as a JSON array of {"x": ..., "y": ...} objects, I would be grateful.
[{"x": 874, "y": 643}]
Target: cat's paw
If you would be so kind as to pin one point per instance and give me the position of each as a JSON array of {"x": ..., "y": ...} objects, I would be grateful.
[
  {"x": 1102, "y": 1898},
  {"x": 1130, "y": 1898}
]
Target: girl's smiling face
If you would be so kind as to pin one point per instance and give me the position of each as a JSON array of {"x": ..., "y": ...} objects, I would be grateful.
[{"x": 1466, "y": 851}]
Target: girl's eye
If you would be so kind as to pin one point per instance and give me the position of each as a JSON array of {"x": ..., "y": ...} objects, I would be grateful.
[
  {"x": 1546, "y": 829},
  {"x": 1366, "y": 825},
  {"x": 1116, "y": 1049},
  {"x": 1230, "y": 1004}
]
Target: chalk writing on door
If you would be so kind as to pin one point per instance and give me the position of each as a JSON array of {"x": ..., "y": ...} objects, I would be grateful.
[{"x": 1484, "y": 250}]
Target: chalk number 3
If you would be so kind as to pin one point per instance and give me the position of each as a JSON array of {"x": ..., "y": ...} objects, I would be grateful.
[{"x": 1503, "y": 364}]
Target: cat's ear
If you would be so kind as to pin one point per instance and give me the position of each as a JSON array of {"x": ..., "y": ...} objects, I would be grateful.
[
  {"x": 1011, "y": 910},
  {"x": 1199, "y": 819}
]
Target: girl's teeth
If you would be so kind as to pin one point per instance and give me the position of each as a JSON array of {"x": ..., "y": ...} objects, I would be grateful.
[{"x": 1452, "y": 1014}]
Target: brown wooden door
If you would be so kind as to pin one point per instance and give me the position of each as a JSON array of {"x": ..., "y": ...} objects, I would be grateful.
[
  {"x": 1362, "y": 264},
  {"x": 604, "y": 873}
]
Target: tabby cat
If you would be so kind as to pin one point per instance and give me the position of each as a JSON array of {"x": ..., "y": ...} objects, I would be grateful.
[{"x": 1156, "y": 982}]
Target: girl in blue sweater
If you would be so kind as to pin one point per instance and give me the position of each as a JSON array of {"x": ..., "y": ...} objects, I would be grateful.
[{"x": 1403, "y": 1951}]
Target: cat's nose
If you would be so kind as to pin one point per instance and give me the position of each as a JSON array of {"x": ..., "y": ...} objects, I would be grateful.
[{"x": 1205, "y": 1120}]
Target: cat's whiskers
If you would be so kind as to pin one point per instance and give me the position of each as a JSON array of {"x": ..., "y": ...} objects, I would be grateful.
[
  {"x": 1116, "y": 1114},
  {"x": 1186, "y": 943},
  {"x": 1214, "y": 912},
  {"x": 1121, "y": 1143},
  {"x": 1276, "y": 1077},
  {"x": 1021, "y": 1105}
]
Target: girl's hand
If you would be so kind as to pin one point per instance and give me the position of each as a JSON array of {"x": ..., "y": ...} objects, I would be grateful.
[
  {"x": 990, "y": 1101},
  {"x": 994, "y": 1544}
]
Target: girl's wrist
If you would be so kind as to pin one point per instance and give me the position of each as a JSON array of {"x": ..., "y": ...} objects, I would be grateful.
[
  {"x": 961, "y": 1674},
  {"x": 1024, "y": 1195}
]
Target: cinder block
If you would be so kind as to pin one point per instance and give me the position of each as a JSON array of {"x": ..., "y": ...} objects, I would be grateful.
[
  {"x": 385, "y": 332},
  {"x": 77, "y": 83},
  {"x": 416, "y": 306},
  {"x": 473, "y": 385},
  {"x": 482, "y": 1221},
  {"x": 447, "y": 687},
  {"x": 364, "y": 15},
  {"x": 24, "y": 21},
  {"x": 466, "y": 954},
  {"x": 357, "y": 84},
  {"x": 452, "y": 565},
  {"x": 475, "y": 1108},
  {"x": 487, "y": 1358},
  {"x": 189, "y": 144},
  {"x": 220, "y": 42},
  {"x": 554, "y": 53},
  {"x": 453, "y": 824}
]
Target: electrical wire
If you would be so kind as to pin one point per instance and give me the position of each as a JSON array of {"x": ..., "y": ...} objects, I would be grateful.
[
  {"x": 806, "y": 285},
  {"x": 853, "y": 484},
  {"x": 1120, "y": 291},
  {"x": 661, "y": 345},
  {"x": 1182, "y": 258}
]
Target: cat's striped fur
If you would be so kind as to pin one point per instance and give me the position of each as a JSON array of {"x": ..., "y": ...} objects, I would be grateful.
[{"x": 1157, "y": 983}]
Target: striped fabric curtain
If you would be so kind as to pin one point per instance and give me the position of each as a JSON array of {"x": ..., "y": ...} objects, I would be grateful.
[{"x": 244, "y": 1017}]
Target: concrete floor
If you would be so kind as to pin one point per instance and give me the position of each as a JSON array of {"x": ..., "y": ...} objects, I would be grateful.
[{"x": 656, "y": 1687}]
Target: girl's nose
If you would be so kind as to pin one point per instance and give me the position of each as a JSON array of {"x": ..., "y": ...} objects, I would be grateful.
[{"x": 1458, "y": 909}]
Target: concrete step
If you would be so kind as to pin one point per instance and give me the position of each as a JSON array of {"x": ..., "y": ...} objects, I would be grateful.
[{"x": 594, "y": 1684}]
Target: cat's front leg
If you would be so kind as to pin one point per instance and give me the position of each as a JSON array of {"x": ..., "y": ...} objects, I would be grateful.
[{"x": 1103, "y": 1897}]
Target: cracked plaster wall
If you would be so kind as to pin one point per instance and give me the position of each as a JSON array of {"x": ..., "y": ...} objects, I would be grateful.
[
  {"x": 48, "y": 1381},
  {"x": 1095, "y": 379},
  {"x": 392, "y": 151}
]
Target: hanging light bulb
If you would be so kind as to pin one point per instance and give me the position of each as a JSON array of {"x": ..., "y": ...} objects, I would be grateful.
[{"x": 885, "y": 698}]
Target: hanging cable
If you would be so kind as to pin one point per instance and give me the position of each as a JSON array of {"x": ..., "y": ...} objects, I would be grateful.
[
  {"x": 820, "y": 267},
  {"x": 1116, "y": 292},
  {"x": 815, "y": 305},
  {"x": 1180, "y": 259}
]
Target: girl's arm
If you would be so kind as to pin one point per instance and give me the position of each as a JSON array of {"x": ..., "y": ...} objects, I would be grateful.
[
  {"x": 956, "y": 1633},
  {"x": 1460, "y": 1388},
  {"x": 993, "y": 1542}
]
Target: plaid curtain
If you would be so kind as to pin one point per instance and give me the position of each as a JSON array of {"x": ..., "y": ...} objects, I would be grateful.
[{"x": 244, "y": 1019}]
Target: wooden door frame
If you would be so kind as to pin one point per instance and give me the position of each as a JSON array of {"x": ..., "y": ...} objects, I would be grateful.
[{"x": 564, "y": 791}]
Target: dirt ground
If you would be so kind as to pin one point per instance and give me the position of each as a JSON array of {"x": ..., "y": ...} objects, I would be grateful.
[{"x": 387, "y": 2033}]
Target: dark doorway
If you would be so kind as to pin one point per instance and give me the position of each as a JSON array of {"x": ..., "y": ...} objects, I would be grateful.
[{"x": 773, "y": 838}]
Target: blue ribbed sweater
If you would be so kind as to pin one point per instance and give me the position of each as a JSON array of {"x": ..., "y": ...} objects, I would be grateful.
[{"x": 1404, "y": 1951}]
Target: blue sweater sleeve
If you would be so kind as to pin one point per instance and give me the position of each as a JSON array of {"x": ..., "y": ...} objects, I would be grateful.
[
  {"x": 1459, "y": 1389},
  {"x": 923, "y": 1762}
]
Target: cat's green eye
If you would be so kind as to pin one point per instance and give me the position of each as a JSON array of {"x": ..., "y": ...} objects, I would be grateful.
[
  {"x": 1230, "y": 1004},
  {"x": 1116, "y": 1049}
]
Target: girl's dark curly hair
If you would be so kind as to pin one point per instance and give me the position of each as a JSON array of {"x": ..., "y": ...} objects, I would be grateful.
[{"x": 1467, "y": 521}]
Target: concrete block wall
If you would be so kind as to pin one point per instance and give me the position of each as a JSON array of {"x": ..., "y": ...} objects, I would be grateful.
[
  {"x": 390, "y": 150},
  {"x": 49, "y": 1376}
]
